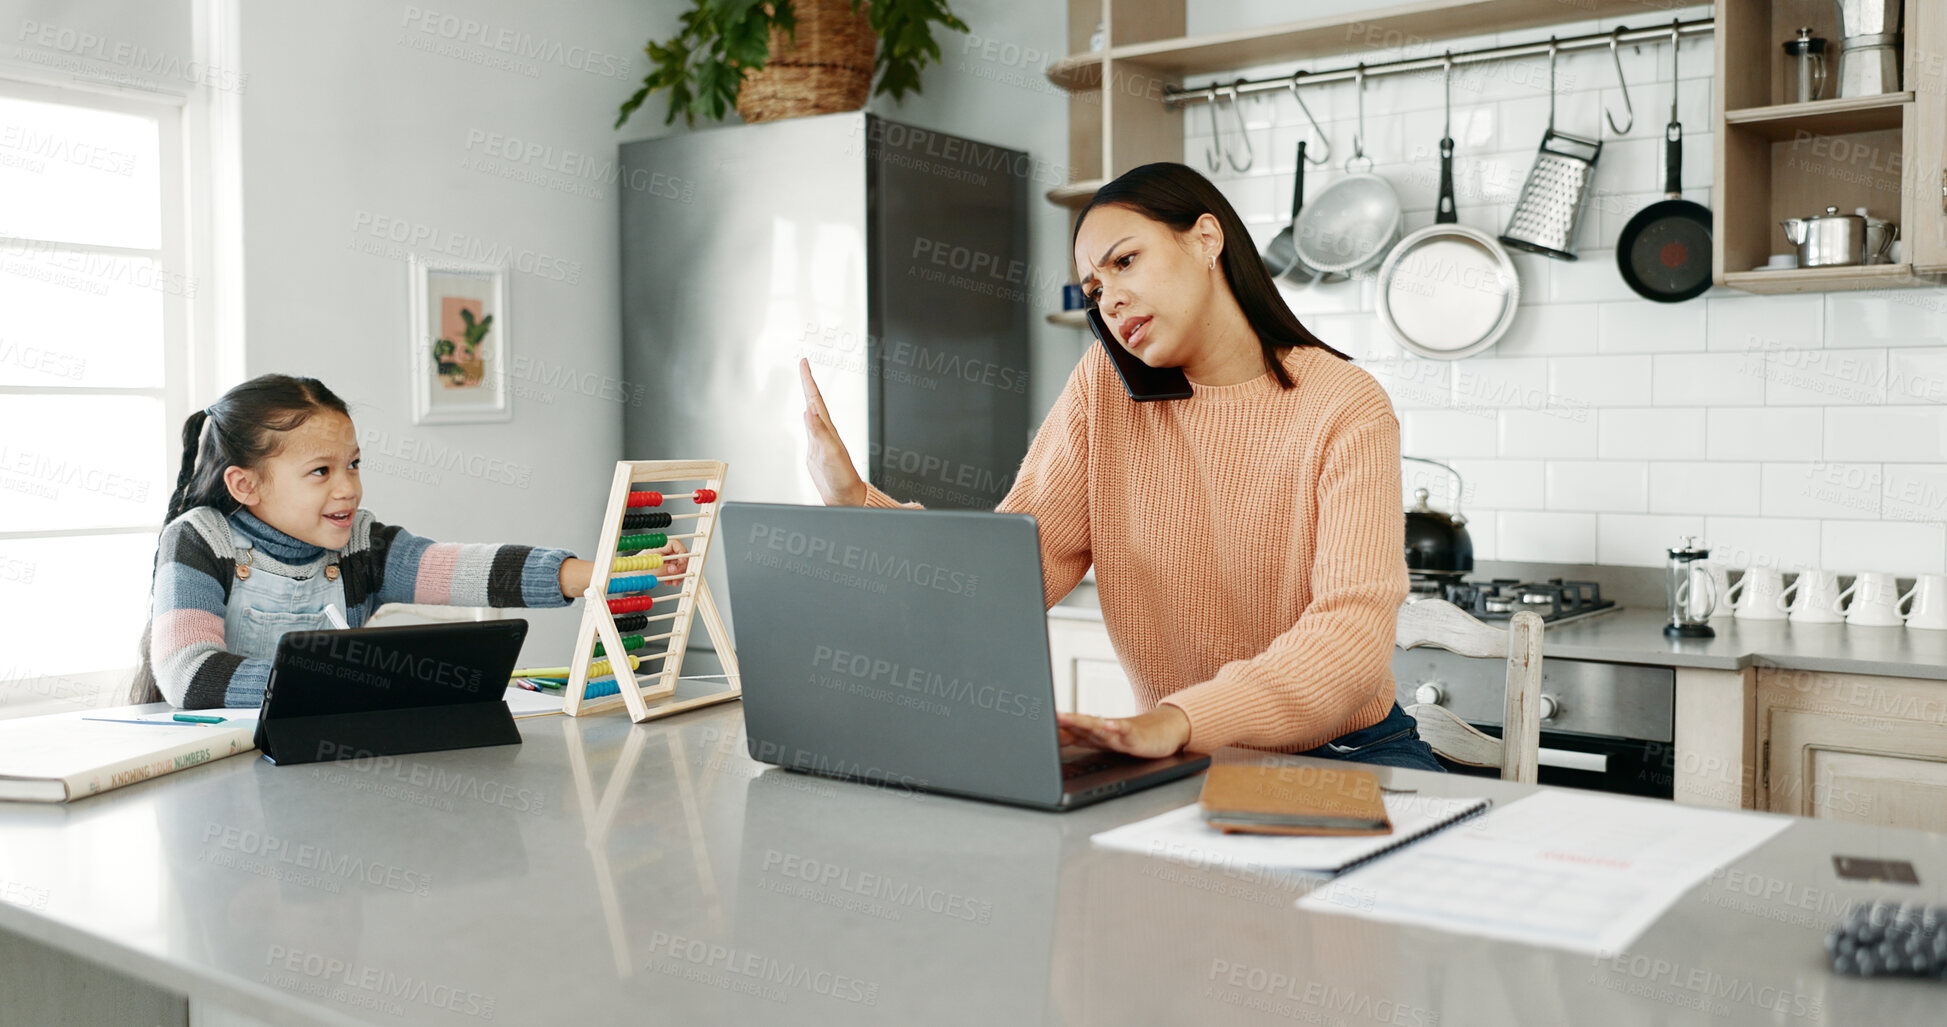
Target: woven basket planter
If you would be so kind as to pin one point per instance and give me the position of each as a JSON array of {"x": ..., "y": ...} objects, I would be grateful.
[{"x": 828, "y": 69}]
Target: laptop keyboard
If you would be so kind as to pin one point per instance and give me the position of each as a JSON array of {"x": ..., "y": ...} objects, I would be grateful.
[{"x": 1093, "y": 763}]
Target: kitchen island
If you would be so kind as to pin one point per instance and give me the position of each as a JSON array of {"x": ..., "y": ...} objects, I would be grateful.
[{"x": 608, "y": 873}]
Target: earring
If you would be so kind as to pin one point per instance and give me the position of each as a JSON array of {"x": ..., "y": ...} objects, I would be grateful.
[{"x": 1213, "y": 263}]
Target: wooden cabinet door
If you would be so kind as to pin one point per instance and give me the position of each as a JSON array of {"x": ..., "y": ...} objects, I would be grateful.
[
  {"x": 1865, "y": 770},
  {"x": 1925, "y": 237}
]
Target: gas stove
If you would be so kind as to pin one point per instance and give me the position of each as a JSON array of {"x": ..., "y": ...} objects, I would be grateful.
[{"x": 1555, "y": 600}]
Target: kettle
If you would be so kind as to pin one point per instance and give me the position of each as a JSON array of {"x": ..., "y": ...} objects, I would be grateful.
[
  {"x": 1834, "y": 239},
  {"x": 1437, "y": 542}
]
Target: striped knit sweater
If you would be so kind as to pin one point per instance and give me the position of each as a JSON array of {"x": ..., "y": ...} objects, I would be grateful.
[
  {"x": 1246, "y": 543},
  {"x": 196, "y": 566}
]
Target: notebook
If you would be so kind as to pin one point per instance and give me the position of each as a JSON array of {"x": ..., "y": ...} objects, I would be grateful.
[
  {"x": 68, "y": 756},
  {"x": 1261, "y": 798},
  {"x": 1181, "y": 835}
]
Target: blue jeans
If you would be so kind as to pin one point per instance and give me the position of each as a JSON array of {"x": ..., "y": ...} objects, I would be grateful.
[{"x": 1393, "y": 742}]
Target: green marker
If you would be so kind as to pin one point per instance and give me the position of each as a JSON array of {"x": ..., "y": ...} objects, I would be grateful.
[{"x": 191, "y": 718}]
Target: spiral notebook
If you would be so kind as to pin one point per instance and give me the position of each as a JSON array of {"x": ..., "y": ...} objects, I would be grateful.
[{"x": 1182, "y": 835}]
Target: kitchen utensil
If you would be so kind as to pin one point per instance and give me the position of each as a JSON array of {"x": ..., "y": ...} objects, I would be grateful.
[
  {"x": 1881, "y": 234},
  {"x": 1875, "y": 601},
  {"x": 1447, "y": 290},
  {"x": 1869, "y": 56},
  {"x": 1928, "y": 597},
  {"x": 1436, "y": 542},
  {"x": 1664, "y": 251},
  {"x": 1684, "y": 576},
  {"x": 1550, "y": 205},
  {"x": 1281, "y": 257},
  {"x": 1757, "y": 594},
  {"x": 1354, "y": 222},
  {"x": 1810, "y": 597},
  {"x": 1804, "y": 67},
  {"x": 1834, "y": 239}
]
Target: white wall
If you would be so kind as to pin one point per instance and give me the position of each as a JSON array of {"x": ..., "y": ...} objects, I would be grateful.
[
  {"x": 356, "y": 112},
  {"x": 1788, "y": 430}
]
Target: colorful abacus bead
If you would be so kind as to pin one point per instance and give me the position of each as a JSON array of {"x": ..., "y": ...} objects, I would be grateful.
[
  {"x": 642, "y": 562},
  {"x": 633, "y": 583},
  {"x": 645, "y": 499},
  {"x": 632, "y": 604},
  {"x": 640, "y": 521},
  {"x": 705, "y": 496},
  {"x": 653, "y": 540}
]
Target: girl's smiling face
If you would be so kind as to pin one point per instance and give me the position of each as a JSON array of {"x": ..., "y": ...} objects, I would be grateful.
[{"x": 309, "y": 488}]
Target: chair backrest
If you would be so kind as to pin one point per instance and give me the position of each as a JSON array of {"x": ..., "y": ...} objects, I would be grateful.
[{"x": 1441, "y": 624}]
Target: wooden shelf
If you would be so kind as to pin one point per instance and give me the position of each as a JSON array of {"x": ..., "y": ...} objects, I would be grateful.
[
  {"x": 1410, "y": 24},
  {"x": 1069, "y": 318},
  {"x": 1828, "y": 279},
  {"x": 1075, "y": 194},
  {"x": 1823, "y": 117}
]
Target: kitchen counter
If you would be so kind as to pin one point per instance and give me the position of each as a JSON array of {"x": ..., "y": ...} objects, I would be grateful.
[
  {"x": 1635, "y": 635},
  {"x": 603, "y": 872}
]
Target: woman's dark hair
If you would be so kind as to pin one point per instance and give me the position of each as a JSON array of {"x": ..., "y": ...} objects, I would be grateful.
[
  {"x": 1177, "y": 196},
  {"x": 244, "y": 427}
]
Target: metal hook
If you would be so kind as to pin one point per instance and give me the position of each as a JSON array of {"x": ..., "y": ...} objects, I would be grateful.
[
  {"x": 1359, "y": 137},
  {"x": 1322, "y": 137},
  {"x": 1212, "y": 152},
  {"x": 1237, "y": 113},
  {"x": 1615, "y": 54},
  {"x": 1553, "y": 48}
]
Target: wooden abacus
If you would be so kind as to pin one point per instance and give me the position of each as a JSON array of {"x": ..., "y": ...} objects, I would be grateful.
[{"x": 602, "y": 647}]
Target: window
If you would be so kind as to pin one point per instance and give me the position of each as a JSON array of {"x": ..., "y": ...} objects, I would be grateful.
[{"x": 94, "y": 307}]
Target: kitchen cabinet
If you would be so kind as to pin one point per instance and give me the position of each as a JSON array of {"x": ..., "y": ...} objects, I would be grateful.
[
  {"x": 1088, "y": 677},
  {"x": 1853, "y": 747},
  {"x": 1793, "y": 160}
]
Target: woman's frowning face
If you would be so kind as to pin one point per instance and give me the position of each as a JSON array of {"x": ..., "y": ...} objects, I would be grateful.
[{"x": 1152, "y": 284}]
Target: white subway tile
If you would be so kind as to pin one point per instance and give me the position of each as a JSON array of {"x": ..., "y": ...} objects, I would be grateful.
[
  {"x": 1440, "y": 434},
  {"x": 1556, "y": 329},
  {"x": 1592, "y": 277},
  {"x": 1904, "y": 548},
  {"x": 1916, "y": 374},
  {"x": 1502, "y": 484},
  {"x": 1601, "y": 381},
  {"x": 1824, "y": 490},
  {"x": 1629, "y": 166},
  {"x": 1412, "y": 381},
  {"x": 1494, "y": 383},
  {"x": 1556, "y": 432},
  {"x": 1641, "y": 540},
  {"x": 1697, "y": 487},
  {"x": 1914, "y": 492},
  {"x": 1825, "y": 377},
  {"x": 1598, "y": 486},
  {"x": 1709, "y": 379},
  {"x": 1741, "y": 323},
  {"x": 1890, "y": 317},
  {"x": 1359, "y": 336},
  {"x": 1652, "y": 433},
  {"x": 1763, "y": 541},
  {"x": 1760, "y": 433},
  {"x": 1639, "y": 326},
  {"x": 1546, "y": 537},
  {"x": 1908, "y": 434},
  {"x": 1535, "y": 273}
]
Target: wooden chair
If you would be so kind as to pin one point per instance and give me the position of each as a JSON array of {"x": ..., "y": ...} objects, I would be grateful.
[{"x": 1443, "y": 625}]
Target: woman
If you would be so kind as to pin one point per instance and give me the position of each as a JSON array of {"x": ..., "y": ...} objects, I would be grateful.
[{"x": 1247, "y": 540}]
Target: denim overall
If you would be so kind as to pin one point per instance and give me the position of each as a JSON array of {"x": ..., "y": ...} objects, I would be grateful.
[{"x": 277, "y": 597}]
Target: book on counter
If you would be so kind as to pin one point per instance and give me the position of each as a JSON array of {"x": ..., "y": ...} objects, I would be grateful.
[
  {"x": 1256, "y": 798},
  {"x": 68, "y": 756}
]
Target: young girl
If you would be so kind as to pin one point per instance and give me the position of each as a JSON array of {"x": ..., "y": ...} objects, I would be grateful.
[{"x": 264, "y": 532}]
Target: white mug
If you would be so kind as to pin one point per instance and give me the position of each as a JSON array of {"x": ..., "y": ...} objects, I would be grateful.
[
  {"x": 1929, "y": 598},
  {"x": 1875, "y": 601},
  {"x": 1756, "y": 594},
  {"x": 1720, "y": 579},
  {"x": 1815, "y": 597}
]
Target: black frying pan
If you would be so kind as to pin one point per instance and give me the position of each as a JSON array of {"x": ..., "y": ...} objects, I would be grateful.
[{"x": 1664, "y": 252}]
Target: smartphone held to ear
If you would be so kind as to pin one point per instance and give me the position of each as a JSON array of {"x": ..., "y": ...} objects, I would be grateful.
[{"x": 1145, "y": 383}]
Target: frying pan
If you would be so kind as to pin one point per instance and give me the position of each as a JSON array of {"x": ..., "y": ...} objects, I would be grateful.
[
  {"x": 1664, "y": 251},
  {"x": 1281, "y": 257},
  {"x": 1448, "y": 291}
]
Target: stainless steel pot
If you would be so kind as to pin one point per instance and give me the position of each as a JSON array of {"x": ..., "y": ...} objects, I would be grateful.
[{"x": 1835, "y": 239}]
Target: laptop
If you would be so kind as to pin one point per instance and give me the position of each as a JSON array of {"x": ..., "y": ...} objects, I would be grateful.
[
  {"x": 361, "y": 692},
  {"x": 909, "y": 649}
]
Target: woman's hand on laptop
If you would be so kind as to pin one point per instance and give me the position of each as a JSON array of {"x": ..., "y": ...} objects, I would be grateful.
[
  {"x": 1160, "y": 732},
  {"x": 831, "y": 466}
]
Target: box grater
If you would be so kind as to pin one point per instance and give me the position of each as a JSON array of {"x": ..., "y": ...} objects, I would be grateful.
[{"x": 1550, "y": 206}]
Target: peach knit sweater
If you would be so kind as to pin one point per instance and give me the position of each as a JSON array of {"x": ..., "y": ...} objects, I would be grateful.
[{"x": 1248, "y": 543}]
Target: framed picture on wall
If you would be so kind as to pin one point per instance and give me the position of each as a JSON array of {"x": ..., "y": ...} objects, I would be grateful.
[{"x": 459, "y": 342}]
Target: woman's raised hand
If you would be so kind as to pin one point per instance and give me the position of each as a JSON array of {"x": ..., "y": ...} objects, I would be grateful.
[{"x": 830, "y": 465}]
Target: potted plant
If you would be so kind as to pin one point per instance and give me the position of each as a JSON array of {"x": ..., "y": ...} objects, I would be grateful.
[
  {"x": 468, "y": 366},
  {"x": 790, "y": 58}
]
